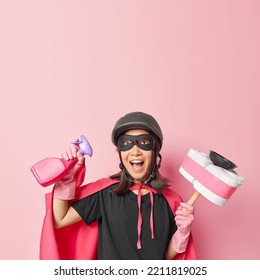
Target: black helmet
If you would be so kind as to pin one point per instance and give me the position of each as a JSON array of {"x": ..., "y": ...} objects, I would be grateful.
[{"x": 137, "y": 120}]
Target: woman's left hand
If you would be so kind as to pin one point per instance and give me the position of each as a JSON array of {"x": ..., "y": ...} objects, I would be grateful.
[{"x": 184, "y": 217}]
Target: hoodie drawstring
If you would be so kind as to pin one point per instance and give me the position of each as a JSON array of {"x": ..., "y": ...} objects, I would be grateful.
[{"x": 140, "y": 218}]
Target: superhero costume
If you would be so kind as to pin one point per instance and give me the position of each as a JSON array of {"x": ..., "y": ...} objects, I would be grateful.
[{"x": 80, "y": 241}]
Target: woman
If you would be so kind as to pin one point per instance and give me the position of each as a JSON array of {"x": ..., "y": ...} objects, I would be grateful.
[{"x": 132, "y": 209}]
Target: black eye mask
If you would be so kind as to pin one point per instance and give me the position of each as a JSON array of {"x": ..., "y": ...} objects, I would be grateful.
[{"x": 145, "y": 142}]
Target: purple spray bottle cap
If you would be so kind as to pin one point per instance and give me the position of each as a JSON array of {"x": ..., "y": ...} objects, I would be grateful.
[{"x": 84, "y": 146}]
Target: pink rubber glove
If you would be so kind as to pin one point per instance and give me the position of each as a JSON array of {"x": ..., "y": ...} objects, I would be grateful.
[
  {"x": 65, "y": 189},
  {"x": 184, "y": 217}
]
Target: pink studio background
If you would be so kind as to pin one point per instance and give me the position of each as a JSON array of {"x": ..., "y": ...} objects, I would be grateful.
[{"x": 74, "y": 67}]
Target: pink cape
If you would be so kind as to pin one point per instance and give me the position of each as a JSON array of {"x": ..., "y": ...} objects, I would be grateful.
[{"x": 79, "y": 241}]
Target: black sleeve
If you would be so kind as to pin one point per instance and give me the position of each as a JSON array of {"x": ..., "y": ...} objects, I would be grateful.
[{"x": 88, "y": 208}]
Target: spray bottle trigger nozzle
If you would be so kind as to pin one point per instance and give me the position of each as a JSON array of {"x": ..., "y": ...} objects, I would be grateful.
[{"x": 84, "y": 146}]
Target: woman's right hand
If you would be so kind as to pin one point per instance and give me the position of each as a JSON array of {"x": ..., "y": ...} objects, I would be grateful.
[
  {"x": 71, "y": 153},
  {"x": 65, "y": 188}
]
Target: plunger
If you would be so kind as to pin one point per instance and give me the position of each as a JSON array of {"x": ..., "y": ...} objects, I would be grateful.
[{"x": 212, "y": 176}]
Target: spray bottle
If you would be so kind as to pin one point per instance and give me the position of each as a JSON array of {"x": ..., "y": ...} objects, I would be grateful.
[{"x": 50, "y": 170}]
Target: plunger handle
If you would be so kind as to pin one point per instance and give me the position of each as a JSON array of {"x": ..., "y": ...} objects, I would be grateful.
[{"x": 194, "y": 198}]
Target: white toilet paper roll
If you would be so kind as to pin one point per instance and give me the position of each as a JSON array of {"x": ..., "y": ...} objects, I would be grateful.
[{"x": 193, "y": 155}]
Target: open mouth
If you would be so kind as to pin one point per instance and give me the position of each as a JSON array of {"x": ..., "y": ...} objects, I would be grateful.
[{"x": 137, "y": 164}]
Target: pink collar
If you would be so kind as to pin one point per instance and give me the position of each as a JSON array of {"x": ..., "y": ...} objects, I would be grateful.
[{"x": 140, "y": 218}]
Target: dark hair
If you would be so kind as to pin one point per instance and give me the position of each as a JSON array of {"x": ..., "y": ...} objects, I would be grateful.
[{"x": 158, "y": 182}]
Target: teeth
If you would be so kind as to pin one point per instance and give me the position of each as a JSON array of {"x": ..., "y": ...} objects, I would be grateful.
[{"x": 136, "y": 161}]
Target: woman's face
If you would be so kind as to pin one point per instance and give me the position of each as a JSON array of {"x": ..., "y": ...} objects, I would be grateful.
[{"x": 136, "y": 160}]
